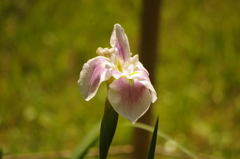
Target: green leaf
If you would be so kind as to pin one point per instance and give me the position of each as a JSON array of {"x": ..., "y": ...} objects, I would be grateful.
[
  {"x": 1, "y": 153},
  {"x": 151, "y": 151},
  {"x": 88, "y": 141},
  {"x": 165, "y": 136},
  {"x": 108, "y": 128}
]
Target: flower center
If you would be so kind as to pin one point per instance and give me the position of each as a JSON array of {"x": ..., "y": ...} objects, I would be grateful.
[
  {"x": 125, "y": 68},
  {"x": 119, "y": 66}
]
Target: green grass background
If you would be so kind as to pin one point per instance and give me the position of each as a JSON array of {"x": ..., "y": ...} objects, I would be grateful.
[{"x": 44, "y": 44}]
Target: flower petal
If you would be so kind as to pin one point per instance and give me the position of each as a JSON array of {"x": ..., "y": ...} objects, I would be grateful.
[
  {"x": 94, "y": 72},
  {"x": 142, "y": 76},
  {"x": 130, "y": 98},
  {"x": 153, "y": 93},
  {"x": 120, "y": 41}
]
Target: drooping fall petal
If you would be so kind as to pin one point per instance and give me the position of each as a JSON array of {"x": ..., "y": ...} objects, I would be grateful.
[
  {"x": 149, "y": 86},
  {"x": 129, "y": 97},
  {"x": 141, "y": 75},
  {"x": 94, "y": 72},
  {"x": 120, "y": 41}
]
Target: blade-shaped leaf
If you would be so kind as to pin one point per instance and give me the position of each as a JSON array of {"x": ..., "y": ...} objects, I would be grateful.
[
  {"x": 88, "y": 141},
  {"x": 108, "y": 127},
  {"x": 164, "y": 136},
  {"x": 1, "y": 153},
  {"x": 151, "y": 151}
]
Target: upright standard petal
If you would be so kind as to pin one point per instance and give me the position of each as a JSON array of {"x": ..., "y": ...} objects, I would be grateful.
[
  {"x": 120, "y": 41},
  {"x": 130, "y": 98},
  {"x": 94, "y": 72}
]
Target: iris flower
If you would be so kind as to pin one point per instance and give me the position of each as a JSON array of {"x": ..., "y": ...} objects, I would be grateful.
[{"x": 130, "y": 91}]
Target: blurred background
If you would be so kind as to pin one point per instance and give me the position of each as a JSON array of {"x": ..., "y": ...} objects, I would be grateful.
[{"x": 44, "y": 44}]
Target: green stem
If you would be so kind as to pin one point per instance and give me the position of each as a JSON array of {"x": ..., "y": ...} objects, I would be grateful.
[{"x": 108, "y": 128}]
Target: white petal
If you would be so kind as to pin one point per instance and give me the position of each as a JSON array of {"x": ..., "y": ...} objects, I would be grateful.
[
  {"x": 148, "y": 85},
  {"x": 130, "y": 98},
  {"x": 134, "y": 60},
  {"x": 142, "y": 76},
  {"x": 94, "y": 72},
  {"x": 120, "y": 41},
  {"x": 116, "y": 74},
  {"x": 140, "y": 73}
]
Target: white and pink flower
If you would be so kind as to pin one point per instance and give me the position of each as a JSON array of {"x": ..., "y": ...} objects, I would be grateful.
[{"x": 130, "y": 91}]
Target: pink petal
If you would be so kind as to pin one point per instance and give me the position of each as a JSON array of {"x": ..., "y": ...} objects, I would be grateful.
[
  {"x": 94, "y": 72},
  {"x": 120, "y": 41},
  {"x": 130, "y": 98},
  {"x": 142, "y": 77},
  {"x": 152, "y": 91}
]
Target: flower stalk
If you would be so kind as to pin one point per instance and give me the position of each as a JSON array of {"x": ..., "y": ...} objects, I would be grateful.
[{"x": 108, "y": 128}]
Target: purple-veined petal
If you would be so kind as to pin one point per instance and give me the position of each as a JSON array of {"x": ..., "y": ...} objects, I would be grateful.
[
  {"x": 130, "y": 98},
  {"x": 142, "y": 77},
  {"x": 116, "y": 74},
  {"x": 139, "y": 67},
  {"x": 153, "y": 93},
  {"x": 94, "y": 72},
  {"x": 141, "y": 74},
  {"x": 120, "y": 41}
]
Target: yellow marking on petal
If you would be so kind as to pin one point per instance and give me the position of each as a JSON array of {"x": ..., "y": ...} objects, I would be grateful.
[
  {"x": 123, "y": 76},
  {"x": 116, "y": 68},
  {"x": 110, "y": 80},
  {"x": 119, "y": 66},
  {"x": 134, "y": 73},
  {"x": 130, "y": 80}
]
